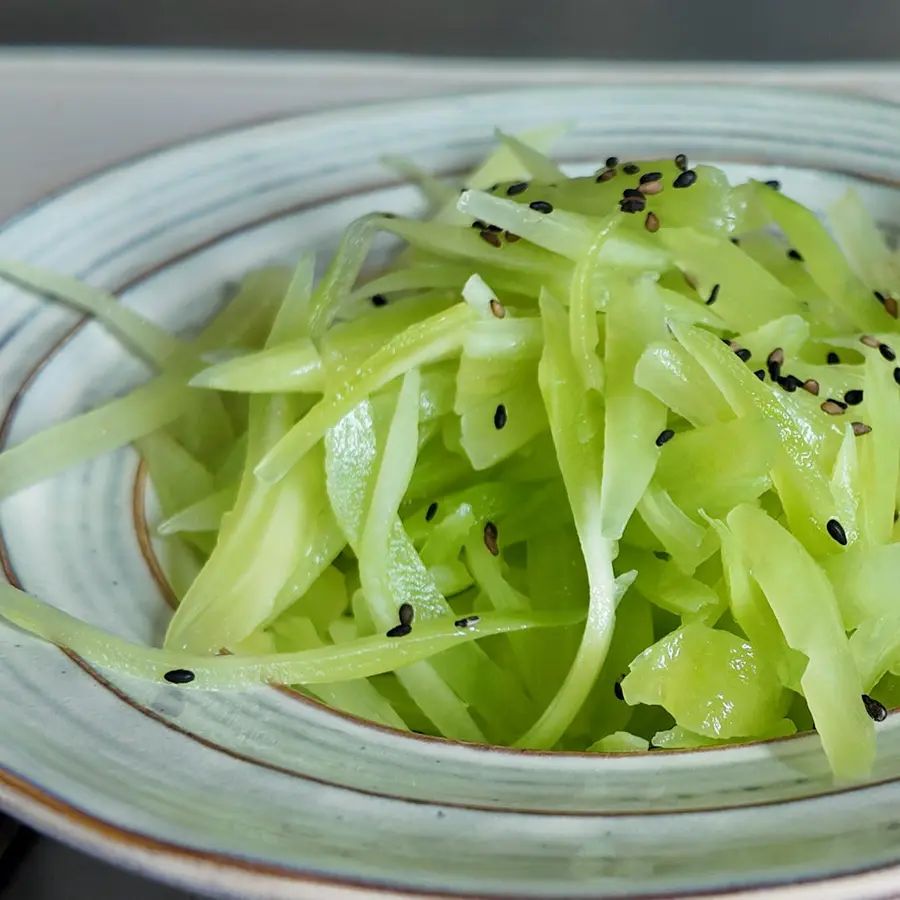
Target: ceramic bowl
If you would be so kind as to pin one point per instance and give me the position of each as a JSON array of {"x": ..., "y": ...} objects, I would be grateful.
[{"x": 260, "y": 794}]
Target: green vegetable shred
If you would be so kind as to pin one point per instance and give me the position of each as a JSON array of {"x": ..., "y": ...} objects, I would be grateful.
[{"x": 599, "y": 462}]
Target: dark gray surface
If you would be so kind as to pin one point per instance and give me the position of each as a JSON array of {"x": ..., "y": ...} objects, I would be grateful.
[{"x": 594, "y": 29}]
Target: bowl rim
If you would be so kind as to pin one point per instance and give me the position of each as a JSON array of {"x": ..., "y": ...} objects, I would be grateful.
[{"x": 193, "y": 868}]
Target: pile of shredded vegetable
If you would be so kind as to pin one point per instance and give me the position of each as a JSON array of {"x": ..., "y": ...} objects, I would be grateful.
[{"x": 597, "y": 463}]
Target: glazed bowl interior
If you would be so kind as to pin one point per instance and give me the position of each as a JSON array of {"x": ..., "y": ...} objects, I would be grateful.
[{"x": 266, "y": 794}]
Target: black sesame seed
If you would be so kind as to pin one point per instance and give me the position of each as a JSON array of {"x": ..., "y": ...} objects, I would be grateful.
[
  {"x": 179, "y": 676},
  {"x": 663, "y": 555},
  {"x": 664, "y": 437},
  {"x": 479, "y": 224},
  {"x": 887, "y": 352},
  {"x": 467, "y": 621},
  {"x": 774, "y": 183},
  {"x": 633, "y": 204},
  {"x": 541, "y": 206},
  {"x": 517, "y": 188},
  {"x": 876, "y": 710},
  {"x": 650, "y": 176},
  {"x": 490, "y": 236},
  {"x": 406, "y": 613},
  {"x": 743, "y": 354},
  {"x": 735, "y": 241},
  {"x": 832, "y": 359},
  {"x": 853, "y": 398},
  {"x": 612, "y": 162},
  {"x": 379, "y": 300},
  {"x": 897, "y": 375},
  {"x": 685, "y": 179},
  {"x": 787, "y": 383},
  {"x": 431, "y": 512},
  {"x": 836, "y": 530},
  {"x": 499, "y": 417},
  {"x": 774, "y": 362},
  {"x": 631, "y": 192},
  {"x": 760, "y": 374},
  {"x": 681, "y": 161},
  {"x": 631, "y": 169},
  {"x": 398, "y": 631},
  {"x": 713, "y": 295},
  {"x": 490, "y": 538},
  {"x": 795, "y": 254},
  {"x": 878, "y": 296},
  {"x": 496, "y": 228},
  {"x": 617, "y": 690},
  {"x": 605, "y": 176}
]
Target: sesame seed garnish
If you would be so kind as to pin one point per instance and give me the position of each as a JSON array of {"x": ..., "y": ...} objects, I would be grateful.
[
  {"x": 795, "y": 254},
  {"x": 631, "y": 168},
  {"x": 860, "y": 428},
  {"x": 833, "y": 408},
  {"x": 760, "y": 374},
  {"x": 496, "y": 228},
  {"x": 870, "y": 341},
  {"x": 649, "y": 176},
  {"x": 811, "y": 386},
  {"x": 379, "y": 300},
  {"x": 490, "y": 538},
  {"x": 498, "y": 310},
  {"x": 878, "y": 296},
  {"x": 179, "y": 676},
  {"x": 467, "y": 621},
  {"x": 651, "y": 188},
  {"x": 490, "y": 236},
  {"x": 832, "y": 359},
  {"x": 612, "y": 162},
  {"x": 890, "y": 306},
  {"x": 479, "y": 224},
  {"x": 735, "y": 241},
  {"x": 651, "y": 223},
  {"x": 774, "y": 362},
  {"x": 617, "y": 690},
  {"x": 897, "y": 375},
  {"x": 431, "y": 512},
  {"x": 664, "y": 437},
  {"x": 774, "y": 183},
  {"x": 605, "y": 176},
  {"x": 886, "y": 351},
  {"x": 398, "y": 631},
  {"x": 541, "y": 206},
  {"x": 681, "y": 161},
  {"x": 836, "y": 530},
  {"x": 854, "y": 397},
  {"x": 500, "y": 417},
  {"x": 516, "y": 188},
  {"x": 713, "y": 295},
  {"x": 788, "y": 383},
  {"x": 876, "y": 710},
  {"x": 406, "y": 613},
  {"x": 632, "y": 204},
  {"x": 631, "y": 192},
  {"x": 743, "y": 354},
  {"x": 685, "y": 179}
]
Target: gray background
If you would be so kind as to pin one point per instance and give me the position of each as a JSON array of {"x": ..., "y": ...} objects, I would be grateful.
[{"x": 591, "y": 29}]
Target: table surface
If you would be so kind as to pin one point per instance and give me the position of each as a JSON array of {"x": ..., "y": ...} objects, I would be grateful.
[{"x": 64, "y": 103}]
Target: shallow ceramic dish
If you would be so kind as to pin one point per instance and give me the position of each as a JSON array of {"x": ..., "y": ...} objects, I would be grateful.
[{"x": 264, "y": 795}]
